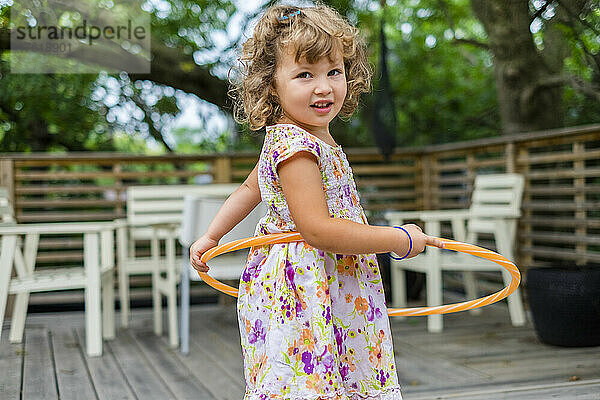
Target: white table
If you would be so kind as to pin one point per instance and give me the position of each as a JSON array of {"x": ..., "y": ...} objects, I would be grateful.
[{"x": 95, "y": 276}]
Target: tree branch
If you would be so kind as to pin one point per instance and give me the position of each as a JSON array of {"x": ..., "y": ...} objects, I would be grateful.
[
  {"x": 575, "y": 82},
  {"x": 446, "y": 10},
  {"x": 573, "y": 17},
  {"x": 156, "y": 134},
  {"x": 171, "y": 67},
  {"x": 575, "y": 14},
  {"x": 471, "y": 42},
  {"x": 539, "y": 12},
  {"x": 585, "y": 87}
]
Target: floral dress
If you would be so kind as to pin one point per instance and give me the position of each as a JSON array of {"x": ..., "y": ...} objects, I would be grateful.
[{"x": 313, "y": 324}]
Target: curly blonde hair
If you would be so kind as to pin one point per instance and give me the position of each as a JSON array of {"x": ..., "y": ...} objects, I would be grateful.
[{"x": 314, "y": 32}]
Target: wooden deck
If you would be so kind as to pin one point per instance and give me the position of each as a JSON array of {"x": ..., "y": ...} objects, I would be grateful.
[{"x": 475, "y": 358}]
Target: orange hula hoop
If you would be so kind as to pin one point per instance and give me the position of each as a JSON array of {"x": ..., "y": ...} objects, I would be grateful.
[{"x": 477, "y": 251}]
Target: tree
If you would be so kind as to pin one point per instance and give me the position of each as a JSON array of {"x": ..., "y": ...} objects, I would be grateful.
[
  {"x": 530, "y": 66},
  {"x": 545, "y": 57}
]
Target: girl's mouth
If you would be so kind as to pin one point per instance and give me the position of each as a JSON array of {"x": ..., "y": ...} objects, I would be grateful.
[{"x": 322, "y": 108}]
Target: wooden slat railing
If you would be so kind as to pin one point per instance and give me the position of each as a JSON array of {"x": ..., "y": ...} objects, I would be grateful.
[{"x": 561, "y": 205}]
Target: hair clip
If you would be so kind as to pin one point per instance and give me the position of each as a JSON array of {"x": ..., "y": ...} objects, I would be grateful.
[{"x": 290, "y": 15}]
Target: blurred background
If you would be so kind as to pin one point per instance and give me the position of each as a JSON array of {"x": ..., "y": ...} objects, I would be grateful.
[{"x": 446, "y": 71}]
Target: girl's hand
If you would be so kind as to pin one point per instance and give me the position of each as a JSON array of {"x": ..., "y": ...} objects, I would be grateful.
[
  {"x": 419, "y": 241},
  {"x": 198, "y": 248}
]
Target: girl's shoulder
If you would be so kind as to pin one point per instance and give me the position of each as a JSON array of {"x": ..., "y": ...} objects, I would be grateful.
[
  {"x": 293, "y": 134},
  {"x": 284, "y": 140},
  {"x": 287, "y": 131}
]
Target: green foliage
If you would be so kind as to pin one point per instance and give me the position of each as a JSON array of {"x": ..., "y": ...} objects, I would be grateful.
[
  {"x": 444, "y": 90},
  {"x": 189, "y": 24},
  {"x": 80, "y": 112},
  {"x": 443, "y": 85},
  {"x": 584, "y": 62},
  {"x": 49, "y": 113},
  {"x": 195, "y": 141},
  {"x": 133, "y": 143}
]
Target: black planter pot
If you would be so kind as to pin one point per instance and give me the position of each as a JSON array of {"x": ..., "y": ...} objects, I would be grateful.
[{"x": 565, "y": 305}]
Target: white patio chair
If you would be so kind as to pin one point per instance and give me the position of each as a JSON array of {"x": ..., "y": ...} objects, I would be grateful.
[
  {"x": 198, "y": 213},
  {"x": 154, "y": 213},
  {"x": 495, "y": 209}
]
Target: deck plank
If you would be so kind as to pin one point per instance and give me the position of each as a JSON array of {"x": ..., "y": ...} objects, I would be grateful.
[
  {"x": 140, "y": 375},
  {"x": 215, "y": 374},
  {"x": 39, "y": 379},
  {"x": 177, "y": 377},
  {"x": 474, "y": 358},
  {"x": 72, "y": 375},
  {"x": 578, "y": 390},
  {"x": 419, "y": 372},
  {"x": 105, "y": 374},
  {"x": 216, "y": 358},
  {"x": 11, "y": 361},
  {"x": 543, "y": 367},
  {"x": 219, "y": 334}
]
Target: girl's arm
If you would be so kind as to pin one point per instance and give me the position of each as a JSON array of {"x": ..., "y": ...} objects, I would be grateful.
[
  {"x": 302, "y": 186},
  {"x": 237, "y": 206}
]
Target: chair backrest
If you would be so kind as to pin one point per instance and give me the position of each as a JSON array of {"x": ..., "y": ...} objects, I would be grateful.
[
  {"x": 7, "y": 213},
  {"x": 164, "y": 203},
  {"x": 199, "y": 211},
  {"x": 495, "y": 195}
]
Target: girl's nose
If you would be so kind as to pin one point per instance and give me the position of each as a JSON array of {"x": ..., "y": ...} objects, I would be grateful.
[{"x": 322, "y": 87}]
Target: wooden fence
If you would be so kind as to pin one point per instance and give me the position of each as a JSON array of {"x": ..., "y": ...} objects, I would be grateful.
[{"x": 561, "y": 207}]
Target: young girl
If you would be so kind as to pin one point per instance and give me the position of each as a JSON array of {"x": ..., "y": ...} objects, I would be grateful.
[{"x": 312, "y": 314}]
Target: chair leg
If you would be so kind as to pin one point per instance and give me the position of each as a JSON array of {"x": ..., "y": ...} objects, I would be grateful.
[
  {"x": 171, "y": 286},
  {"x": 434, "y": 279},
  {"x": 434, "y": 298},
  {"x": 124, "y": 295},
  {"x": 399, "y": 297},
  {"x": 8, "y": 245},
  {"x": 26, "y": 260},
  {"x": 185, "y": 309},
  {"x": 108, "y": 285},
  {"x": 505, "y": 247},
  {"x": 156, "y": 296},
  {"x": 108, "y": 305},
  {"x": 471, "y": 289},
  {"x": 515, "y": 303},
  {"x": 18, "y": 318},
  {"x": 93, "y": 318},
  {"x": 123, "y": 276},
  {"x": 173, "y": 323}
]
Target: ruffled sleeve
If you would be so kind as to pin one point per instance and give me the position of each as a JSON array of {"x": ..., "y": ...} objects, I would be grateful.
[{"x": 289, "y": 140}]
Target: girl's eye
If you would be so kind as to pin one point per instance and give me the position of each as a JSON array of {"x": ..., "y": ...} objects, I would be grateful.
[
  {"x": 303, "y": 75},
  {"x": 335, "y": 72}
]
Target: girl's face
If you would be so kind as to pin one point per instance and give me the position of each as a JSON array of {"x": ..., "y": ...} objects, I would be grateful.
[{"x": 311, "y": 95}]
